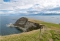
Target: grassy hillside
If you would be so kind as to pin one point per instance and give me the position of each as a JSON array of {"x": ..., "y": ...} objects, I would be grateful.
[{"x": 52, "y": 33}]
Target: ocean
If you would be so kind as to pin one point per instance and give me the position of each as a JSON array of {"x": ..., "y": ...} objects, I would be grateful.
[{"x": 4, "y": 20}]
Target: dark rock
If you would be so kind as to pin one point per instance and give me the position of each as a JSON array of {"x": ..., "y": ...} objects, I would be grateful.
[
  {"x": 21, "y": 22},
  {"x": 26, "y": 25}
]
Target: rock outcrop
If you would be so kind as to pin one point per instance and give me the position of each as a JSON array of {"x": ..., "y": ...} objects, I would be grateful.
[{"x": 25, "y": 25}]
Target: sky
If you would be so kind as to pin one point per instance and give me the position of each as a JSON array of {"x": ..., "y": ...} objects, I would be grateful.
[{"x": 29, "y": 6}]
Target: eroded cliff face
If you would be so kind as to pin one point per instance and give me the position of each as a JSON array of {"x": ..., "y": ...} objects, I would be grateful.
[{"x": 25, "y": 25}]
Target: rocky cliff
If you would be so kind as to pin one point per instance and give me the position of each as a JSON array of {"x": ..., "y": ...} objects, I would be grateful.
[{"x": 25, "y": 25}]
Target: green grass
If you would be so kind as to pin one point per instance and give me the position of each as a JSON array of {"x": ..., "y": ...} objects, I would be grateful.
[
  {"x": 48, "y": 24},
  {"x": 51, "y": 34}
]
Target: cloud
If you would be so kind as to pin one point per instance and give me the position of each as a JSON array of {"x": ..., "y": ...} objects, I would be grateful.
[
  {"x": 54, "y": 12},
  {"x": 6, "y": 12},
  {"x": 23, "y": 6},
  {"x": 55, "y": 9}
]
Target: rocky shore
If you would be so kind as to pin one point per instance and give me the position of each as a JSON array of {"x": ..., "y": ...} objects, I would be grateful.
[{"x": 25, "y": 25}]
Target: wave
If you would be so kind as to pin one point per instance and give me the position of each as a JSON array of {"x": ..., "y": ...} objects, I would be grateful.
[{"x": 10, "y": 25}]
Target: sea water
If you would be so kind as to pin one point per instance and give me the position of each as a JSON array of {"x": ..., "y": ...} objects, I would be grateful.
[{"x": 4, "y": 20}]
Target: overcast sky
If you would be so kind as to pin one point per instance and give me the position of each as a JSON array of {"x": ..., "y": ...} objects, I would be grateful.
[{"x": 23, "y": 6}]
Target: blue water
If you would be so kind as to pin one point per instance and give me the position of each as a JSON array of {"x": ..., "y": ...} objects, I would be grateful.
[{"x": 4, "y": 30}]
